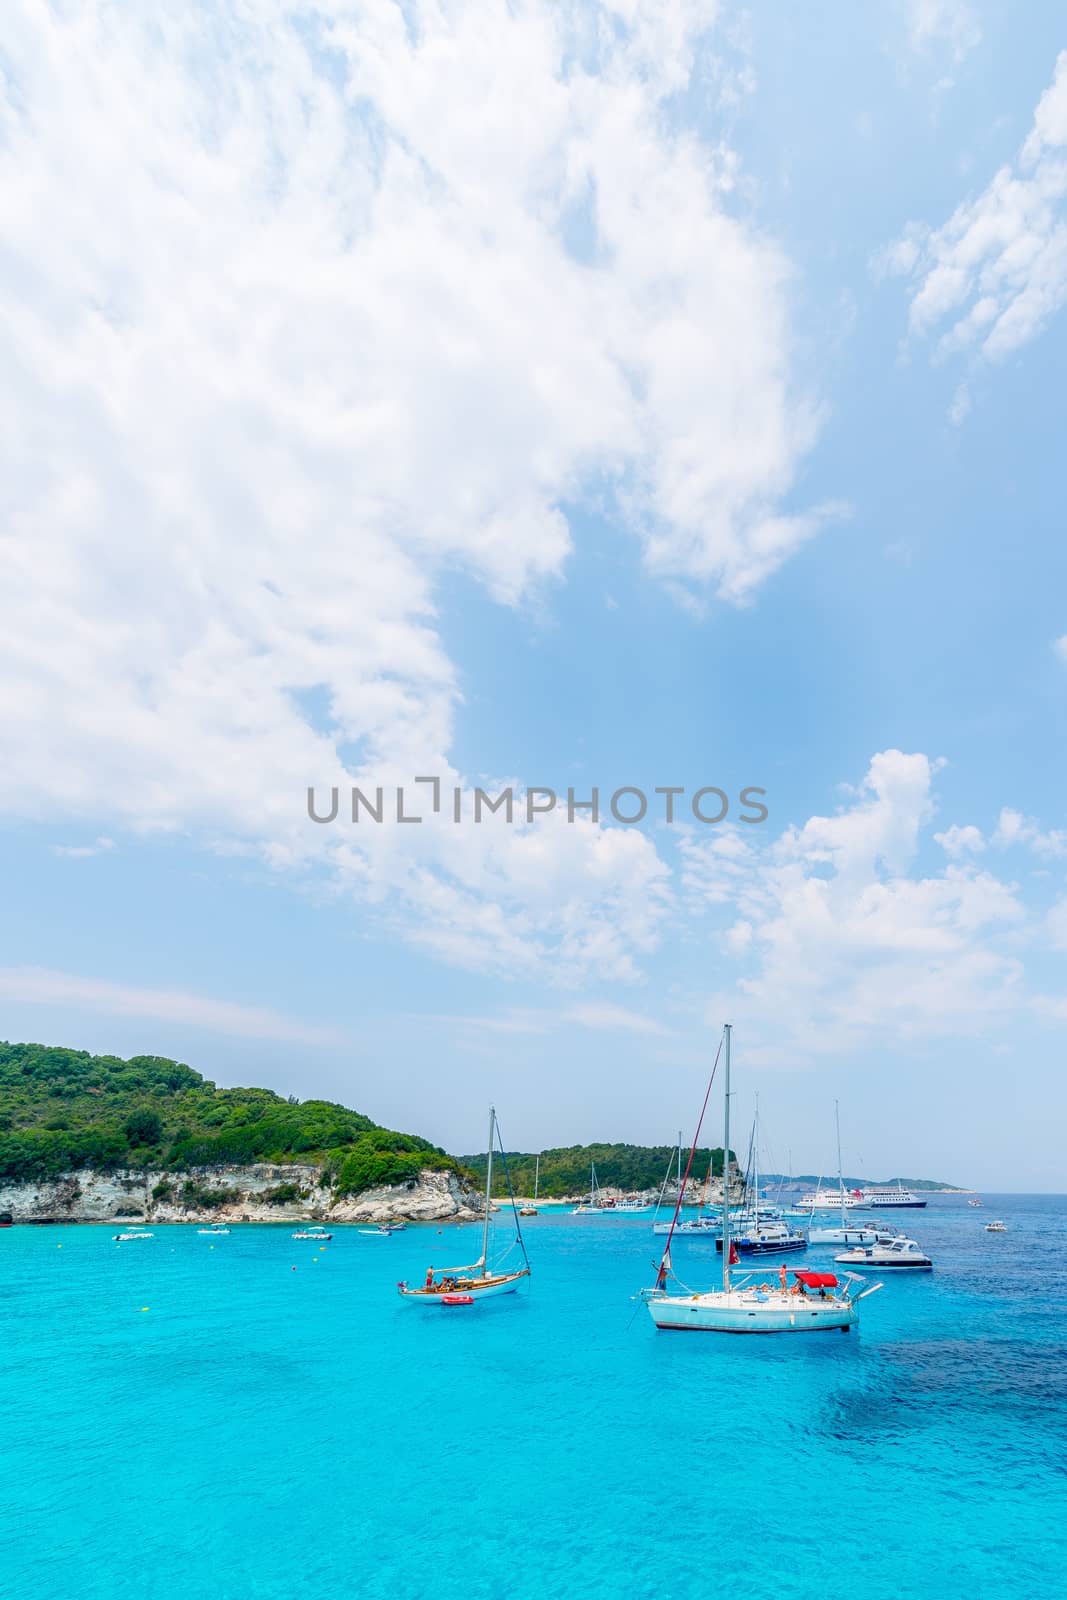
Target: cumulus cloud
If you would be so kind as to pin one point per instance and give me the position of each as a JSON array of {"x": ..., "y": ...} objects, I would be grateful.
[
  {"x": 957, "y": 841},
  {"x": 843, "y": 940},
  {"x": 996, "y": 271},
  {"x": 304, "y": 308},
  {"x": 1015, "y": 829}
]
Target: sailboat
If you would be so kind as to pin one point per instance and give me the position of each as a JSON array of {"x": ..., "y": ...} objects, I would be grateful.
[
  {"x": 451, "y": 1286},
  {"x": 766, "y": 1234},
  {"x": 531, "y": 1210},
  {"x": 856, "y": 1233},
  {"x": 814, "y": 1303}
]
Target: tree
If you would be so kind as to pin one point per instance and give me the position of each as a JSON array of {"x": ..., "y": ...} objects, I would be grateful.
[{"x": 144, "y": 1126}]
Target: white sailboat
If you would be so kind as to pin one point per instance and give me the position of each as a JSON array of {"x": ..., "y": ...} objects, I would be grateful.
[
  {"x": 762, "y": 1232},
  {"x": 814, "y": 1303},
  {"x": 451, "y": 1286},
  {"x": 845, "y": 1232}
]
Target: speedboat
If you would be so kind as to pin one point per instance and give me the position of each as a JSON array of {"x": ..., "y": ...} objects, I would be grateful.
[
  {"x": 122, "y": 1237},
  {"x": 213, "y": 1231},
  {"x": 899, "y": 1252},
  {"x": 376, "y": 1233},
  {"x": 312, "y": 1233},
  {"x": 995, "y": 1227}
]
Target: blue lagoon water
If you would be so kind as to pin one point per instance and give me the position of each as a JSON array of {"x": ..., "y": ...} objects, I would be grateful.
[{"x": 260, "y": 1433}]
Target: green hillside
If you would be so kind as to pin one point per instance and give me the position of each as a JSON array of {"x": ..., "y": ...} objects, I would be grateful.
[
  {"x": 618, "y": 1166},
  {"x": 65, "y": 1110}
]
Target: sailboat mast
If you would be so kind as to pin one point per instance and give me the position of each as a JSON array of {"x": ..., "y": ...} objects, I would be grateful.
[
  {"x": 537, "y": 1174},
  {"x": 488, "y": 1185},
  {"x": 726, "y": 1169},
  {"x": 840, "y": 1178},
  {"x": 755, "y": 1163}
]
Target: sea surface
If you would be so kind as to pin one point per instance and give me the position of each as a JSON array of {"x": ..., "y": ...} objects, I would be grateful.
[{"x": 187, "y": 1418}]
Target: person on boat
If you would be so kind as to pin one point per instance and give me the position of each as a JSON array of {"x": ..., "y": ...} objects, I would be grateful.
[
  {"x": 429, "y": 1278},
  {"x": 783, "y": 1276}
]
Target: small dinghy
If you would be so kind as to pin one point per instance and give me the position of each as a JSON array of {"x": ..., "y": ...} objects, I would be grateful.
[{"x": 457, "y": 1299}]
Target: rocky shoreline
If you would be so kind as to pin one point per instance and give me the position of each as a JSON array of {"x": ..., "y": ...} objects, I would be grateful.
[{"x": 260, "y": 1193}]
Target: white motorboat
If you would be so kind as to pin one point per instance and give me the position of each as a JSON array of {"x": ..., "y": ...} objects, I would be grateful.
[
  {"x": 213, "y": 1232},
  {"x": 996, "y": 1226},
  {"x": 376, "y": 1233},
  {"x": 815, "y": 1303},
  {"x": 123, "y": 1237},
  {"x": 898, "y": 1253},
  {"x": 461, "y": 1286},
  {"x": 312, "y": 1233}
]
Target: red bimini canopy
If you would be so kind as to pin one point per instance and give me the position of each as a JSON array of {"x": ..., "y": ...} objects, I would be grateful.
[{"x": 816, "y": 1280}]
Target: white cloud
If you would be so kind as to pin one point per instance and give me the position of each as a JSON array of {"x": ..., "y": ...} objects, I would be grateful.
[
  {"x": 41, "y": 986},
  {"x": 938, "y": 23},
  {"x": 1060, "y": 647},
  {"x": 957, "y": 841},
  {"x": 842, "y": 941},
  {"x": 996, "y": 271},
  {"x": 305, "y": 308},
  {"x": 1015, "y": 829},
  {"x": 79, "y": 852}
]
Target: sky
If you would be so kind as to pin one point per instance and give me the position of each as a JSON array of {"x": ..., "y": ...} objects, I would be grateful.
[{"x": 544, "y": 396}]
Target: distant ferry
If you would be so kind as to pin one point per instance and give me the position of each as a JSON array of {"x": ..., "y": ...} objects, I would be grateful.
[
  {"x": 892, "y": 1197},
  {"x": 830, "y": 1200}
]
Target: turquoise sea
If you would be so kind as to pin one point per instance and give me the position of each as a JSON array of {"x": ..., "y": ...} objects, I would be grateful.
[{"x": 187, "y": 1418}]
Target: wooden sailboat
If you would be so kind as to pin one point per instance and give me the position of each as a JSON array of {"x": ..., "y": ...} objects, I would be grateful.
[
  {"x": 450, "y": 1286},
  {"x": 815, "y": 1302}
]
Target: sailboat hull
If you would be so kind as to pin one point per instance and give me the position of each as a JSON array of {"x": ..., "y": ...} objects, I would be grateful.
[
  {"x": 487, "y": 1289},
  {"x": 746, "y": 1311}
]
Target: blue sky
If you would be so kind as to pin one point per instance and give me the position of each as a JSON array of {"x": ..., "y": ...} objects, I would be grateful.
[{"x": 558, "y": 395}]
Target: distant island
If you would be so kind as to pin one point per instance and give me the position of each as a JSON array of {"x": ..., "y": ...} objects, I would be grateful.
[
  {"x": 86, "y": 1135},
  {"x": 635, "y": 1168},
  {"x": 565, "y": 1171}
]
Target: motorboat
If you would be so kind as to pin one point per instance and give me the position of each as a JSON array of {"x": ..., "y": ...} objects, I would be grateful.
[
  {"x": 213, "y": 1232},
  {"x": 123, "y": 1237},
  {"x": 996, "y": 1226},
  {"x": 312, "y": 1233},
  {"x": 377, "y": 1233},
  {"x": 898, "y": 1253}
]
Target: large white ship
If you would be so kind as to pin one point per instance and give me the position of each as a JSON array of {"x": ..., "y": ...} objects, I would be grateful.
[{"x": 898, "y": 1197}]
